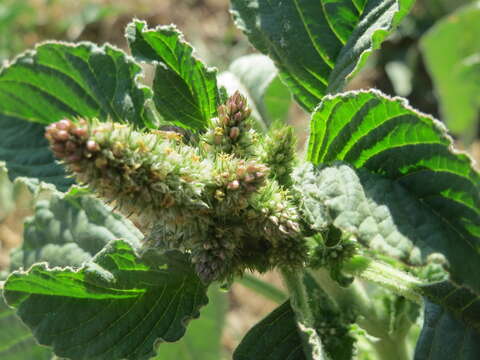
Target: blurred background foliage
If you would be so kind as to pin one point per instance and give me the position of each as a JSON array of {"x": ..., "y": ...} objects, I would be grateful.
[{"x": 419, "y": 62}]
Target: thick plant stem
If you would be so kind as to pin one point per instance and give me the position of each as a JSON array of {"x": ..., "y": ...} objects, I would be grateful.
[
  {"x": 387, "y": 276},
  {"x": 312, "y": 344}
]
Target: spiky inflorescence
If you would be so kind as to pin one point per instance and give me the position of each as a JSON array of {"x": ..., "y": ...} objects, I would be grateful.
[
  {"x": 279, "y": 153},
  {"x": 231, "y": 131},
  {"x": 154, "y": 175},
  {"x": 219, "y": 206}
]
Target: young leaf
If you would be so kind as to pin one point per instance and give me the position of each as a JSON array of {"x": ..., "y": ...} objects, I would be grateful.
[
  {"x": 68, "y": 229},
  {"x": 456, "y": 72},
  {"x": 318, "y": 45},
  {"x": 445, "y": 337},
  {"x": 58, "y": 80},
  {"x": 115, "y": 307},
  {"x": 16, "y": 340},
  {"x": 185, "y": 90}
]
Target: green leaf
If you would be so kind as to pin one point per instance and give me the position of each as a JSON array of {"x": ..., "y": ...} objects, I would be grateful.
[
  {"x": 256, "y": 77},
  {"x": 116, "y": 307},
  {"x": 68, "y": 229},
  {"x": 185, "y": 90},
  {"x": 16, "y": 340},
  {"x": 384, "y": 216},
  {"x": 318, "y": 45},
  {"x": 414, "y": 155},
  {"x": 456, "y": 72},
  {"x": 203, "y": 338},
  {"x": 61, "y": 80},
  {"x": 277, "y": 336},
  {"x": 445, "y": 337}
]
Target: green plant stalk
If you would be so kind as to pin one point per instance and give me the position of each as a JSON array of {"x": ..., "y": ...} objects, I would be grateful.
[
  {"x": 311, "y": 342},
  {"x": 393, "y": 279},
  {"x": 263, "y": 288}
]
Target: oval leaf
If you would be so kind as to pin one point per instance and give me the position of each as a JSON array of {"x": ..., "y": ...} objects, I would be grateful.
[{"x": 185, "y": 90}]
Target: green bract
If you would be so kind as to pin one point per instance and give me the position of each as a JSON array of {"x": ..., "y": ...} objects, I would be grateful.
[{"x": 203, "y": 183}]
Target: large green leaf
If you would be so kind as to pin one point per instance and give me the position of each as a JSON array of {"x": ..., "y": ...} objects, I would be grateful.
[
  {"x": 277, "y": 336},
  {"x": 456, "y": 72},
  {"x": 445, "y": 337},
  {"x": 185, "y": 90},
  {"x": 16, "y": 340},
  {"x": 414, "y": 155},
  {"x": 203, "y": 338},
  {"x": 116, "y": 307},
  {"x": 61, "y": 80},
  {"x": 318, "y": 45},
  {"x": 67, "y": 230}
]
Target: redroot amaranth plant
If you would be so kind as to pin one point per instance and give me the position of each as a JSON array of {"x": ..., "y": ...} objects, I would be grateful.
[{"x": 215, "y": 188}]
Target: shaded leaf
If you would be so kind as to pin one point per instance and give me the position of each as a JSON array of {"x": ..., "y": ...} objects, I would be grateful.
[
  {"x": 202, "y": 340},
  {"x": 185, "y": 90},
  {"x": 16, "y": 340},
  {"x": 117, "y": 306},
  {"x": 456, "y": 72},
  {"x": 61, "y": 80},
  {"x": 444, "y": 337},
  {"x": 68, "y": 229},
  {"x": 319, "y": 45}
]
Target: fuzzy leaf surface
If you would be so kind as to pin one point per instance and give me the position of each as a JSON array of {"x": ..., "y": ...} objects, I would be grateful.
[
  {"x": 413, "y": 156},
  {"x": 16, "y": 340},
  {"x": 115, "y": 307},
  {"x": 185, "y": 90},
  {"x": 318, "y": 45},
  {"x": 456, "y": 72},
  {"x": 61, "y": 80},
  {"x": 68, "y": 229}
]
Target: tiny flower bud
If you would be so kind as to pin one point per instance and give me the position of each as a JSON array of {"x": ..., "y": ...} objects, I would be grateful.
[
  {"x": 81, "y": 132},
  {"x": 63, "y": 124},
  {"x": 234, "y": 185},
  {"x": 92, "y": 146},
  {"x": 234, "y": 133},
  {"x": 61, "y": 135}
]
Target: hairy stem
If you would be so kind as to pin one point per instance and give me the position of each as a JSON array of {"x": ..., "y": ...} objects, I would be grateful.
[
  {"x": 387, "y": 276},
  {"x": 312, "y": 344}
]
